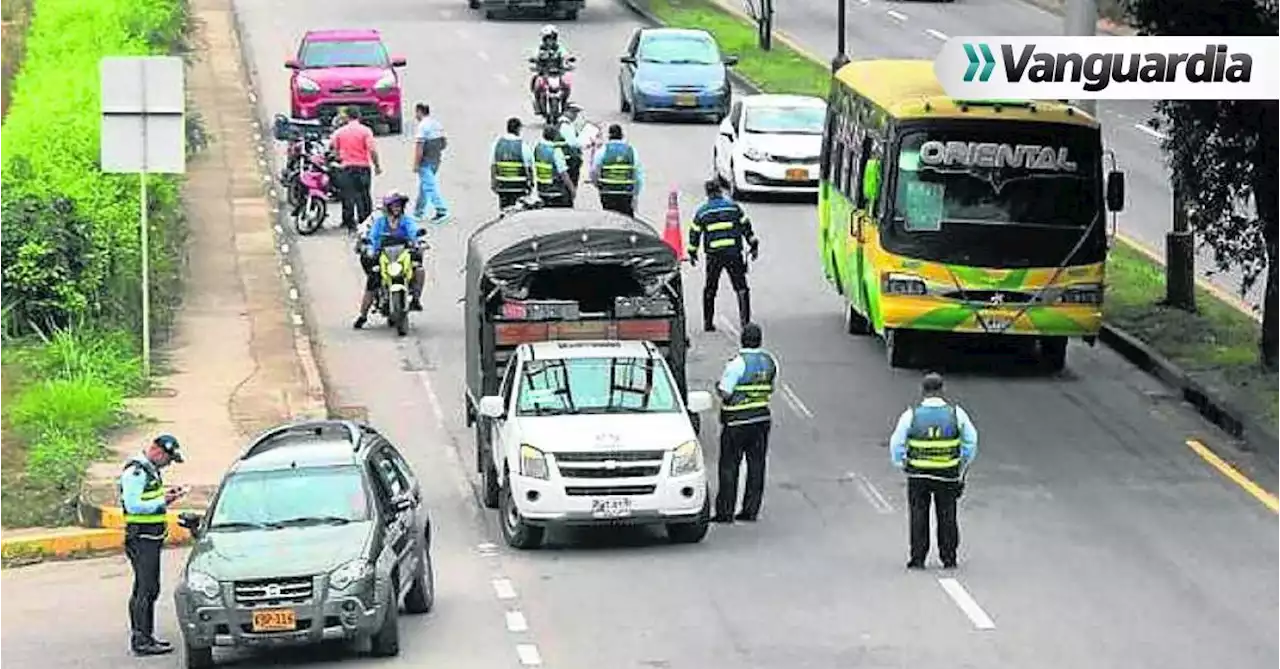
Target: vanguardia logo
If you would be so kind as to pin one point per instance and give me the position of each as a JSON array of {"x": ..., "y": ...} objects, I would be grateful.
[
  {"x": 1097, "y": 71},
  {"x": 987, "y": 62}
]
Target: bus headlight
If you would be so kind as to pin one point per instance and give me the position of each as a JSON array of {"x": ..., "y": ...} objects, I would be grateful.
[
  {"x": 896, "y": 283},
  {"x": 1085, "y": 294},
  {"x": 533, "y": 462},
  {"x": 686, "y": 459}
]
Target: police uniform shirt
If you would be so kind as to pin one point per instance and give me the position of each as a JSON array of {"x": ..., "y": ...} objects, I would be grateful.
[
  {"x": 968, "y": 433},
  {"x": 719, "y": 210},
  {"x": 526, "y": 153},
  {"x": 134, "y": 497},
  {"x": 557, "y": 158},
  {"x": 636, "y": 169}
]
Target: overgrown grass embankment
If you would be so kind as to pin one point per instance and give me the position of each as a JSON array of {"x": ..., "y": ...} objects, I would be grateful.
[
  {"x": 16, "y": 17},
  {"x": 71, "y": 252},
  {"x": 1217, "y": 345}
]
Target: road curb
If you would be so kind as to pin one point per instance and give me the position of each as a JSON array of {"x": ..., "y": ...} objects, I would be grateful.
[{"x": 71, "y": 543}]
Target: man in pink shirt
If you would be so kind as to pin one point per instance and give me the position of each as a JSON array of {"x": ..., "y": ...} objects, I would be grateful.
[{"x": 354, "y": 144}]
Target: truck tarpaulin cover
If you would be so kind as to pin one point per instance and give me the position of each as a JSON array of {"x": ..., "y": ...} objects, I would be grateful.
[{"x": 506, "y": 251}]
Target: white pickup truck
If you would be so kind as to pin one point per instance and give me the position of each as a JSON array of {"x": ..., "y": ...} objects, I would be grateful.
[{"x": 594, "y": 433}]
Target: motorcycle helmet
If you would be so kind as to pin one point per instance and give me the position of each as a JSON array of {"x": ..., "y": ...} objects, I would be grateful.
[
  {"x": 394, "y": 198},
  {"x": 549, "y": 33}
]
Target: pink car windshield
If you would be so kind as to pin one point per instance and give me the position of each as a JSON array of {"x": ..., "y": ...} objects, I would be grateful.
[{"x": 358, "y": 53}]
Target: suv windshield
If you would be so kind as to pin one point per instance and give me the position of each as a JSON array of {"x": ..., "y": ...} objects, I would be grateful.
[
  {"x": 786, "y": 120},
  {"x": 278, "y": 498},
  {"x": 355, "y": 53},
  {"x": 595, "y": 386},
  {"x": 679, "y": 50}
]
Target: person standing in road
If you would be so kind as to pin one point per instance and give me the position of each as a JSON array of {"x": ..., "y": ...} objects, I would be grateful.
[
  {"x": 934, "y": 442},
  {"x": 725, "y": 227},
  {"x": 570, "y": 143},
  {"x": 357, "y": 153},
  {"x": 745, "y": 389},
  {"x": 145, "y": 501},
  {"x": 617, "y": 174},
  {"x": 512, "y": 171},
  {"x": 427, "y": 152},
  {"x": 551, "y": 171}
]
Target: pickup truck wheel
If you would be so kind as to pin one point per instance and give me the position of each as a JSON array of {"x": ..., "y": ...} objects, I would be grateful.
[
  {"x": 199, "y": 658},
  {"x": 422, "y": 596},
  {"x": 491, "y": 486},
  {"x": 473, "y": 4},
  {"x": 516, "y": 532},
  {"x": 386, "y": 641},
  {"x": 692, "y": 533}
]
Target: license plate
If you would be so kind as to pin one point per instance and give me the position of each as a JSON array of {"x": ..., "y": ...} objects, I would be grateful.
[
  {"x": 274, "y": 620},
  {"x": 611, "y": 507},
  {"x": 997, "y": 323},
  {"x": 686, "y": 100},
  {"x": 798, "y": 174}
]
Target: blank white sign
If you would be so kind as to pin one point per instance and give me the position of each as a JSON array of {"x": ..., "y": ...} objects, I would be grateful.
[
  {"x": 143, "y": 123},
  {"x": 123, "y": 141}
]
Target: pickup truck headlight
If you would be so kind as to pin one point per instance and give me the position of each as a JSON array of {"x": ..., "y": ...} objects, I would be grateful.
[
  {"x": 896, "y": 283},
  {"x": 348, "y": 573},
  {"x": 533, "y": 462},
  {"x": 751, "y": 153},
  {"x": 306, "y": 85},
  {"x": 686, "y": 459},
  {"x": 386, "y": 84},
  {"x": 203, "y": 584},
  {"x": 1084, "y": 294}
]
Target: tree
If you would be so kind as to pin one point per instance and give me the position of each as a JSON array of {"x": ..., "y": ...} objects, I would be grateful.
[{"x": 1223, "y": 153}]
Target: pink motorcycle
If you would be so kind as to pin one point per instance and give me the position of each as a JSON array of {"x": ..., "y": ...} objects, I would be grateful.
[{"x": 319, "y": 187}]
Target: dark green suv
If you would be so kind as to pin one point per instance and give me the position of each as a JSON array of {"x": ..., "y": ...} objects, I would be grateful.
[{"x": 317, "y": 532}]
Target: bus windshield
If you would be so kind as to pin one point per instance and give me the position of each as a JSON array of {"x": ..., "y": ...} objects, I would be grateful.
[{"x": 999, "y": 196}]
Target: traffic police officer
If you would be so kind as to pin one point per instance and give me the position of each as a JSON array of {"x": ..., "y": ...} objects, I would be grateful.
[
  {"x": 512, "y": 171},
  {"x": 551, "y": 171},
  {"x": 570, "y": 127},
  {"x": 725, "y": 227},
  {"x": 617, "y": 174},
  {"x": 745, "y": 388},
  {"x": 145, "y": 501},
  {"x": 934, "y": 443}
]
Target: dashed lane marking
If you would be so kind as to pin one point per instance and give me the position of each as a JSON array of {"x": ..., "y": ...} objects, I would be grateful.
[
  {"x": 967, "y": 604},
  {"x": 1150, "y": 131},
  {"x": 1268, "y": 500},
  {"x": 871, "y": 493},
  {"x": 503, "y": 588},
  {"x": 516, "y": 622},
  {"x": 482, "y": 56},
  {"x": 789, "y": 395},
  {"x": 896, "y": 15},
  {"x": 936, "y": 34},
  {"x": 529, "y": 656},
  {"x": 502, "y": 78}
]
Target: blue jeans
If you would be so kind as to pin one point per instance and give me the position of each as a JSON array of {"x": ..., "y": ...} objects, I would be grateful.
[{"x": 429, "y": 192}]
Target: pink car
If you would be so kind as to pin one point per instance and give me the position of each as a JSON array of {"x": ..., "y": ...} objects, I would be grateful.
[{"x": 346, "y": 68}]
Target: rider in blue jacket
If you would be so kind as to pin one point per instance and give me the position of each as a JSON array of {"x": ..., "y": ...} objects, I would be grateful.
[{"x": 393, "y": 222}]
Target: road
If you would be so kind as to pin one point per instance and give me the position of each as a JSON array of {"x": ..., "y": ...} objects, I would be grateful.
[
  {"x": 1093, "y": 537},
  {"x": 896, "y": 29}
]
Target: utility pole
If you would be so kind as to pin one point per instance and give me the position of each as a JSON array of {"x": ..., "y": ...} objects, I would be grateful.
[
  {"x": 842, "y": 57},
  {"x": 1180, "y": 258},
  {"x": 766, "y": 25},
  {"x": 1081, "y": 20}
]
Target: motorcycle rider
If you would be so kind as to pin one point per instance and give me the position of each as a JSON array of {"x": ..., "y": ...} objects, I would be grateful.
[
  {"x": 394, "y": 221},
  {"x": 550, "y": 57}
]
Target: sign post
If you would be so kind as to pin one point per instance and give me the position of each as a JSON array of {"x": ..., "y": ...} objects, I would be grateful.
[{"x": 143, "y": 131}]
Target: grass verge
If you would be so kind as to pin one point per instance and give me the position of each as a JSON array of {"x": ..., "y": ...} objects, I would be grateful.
[{"x": 1217, "y": 345}]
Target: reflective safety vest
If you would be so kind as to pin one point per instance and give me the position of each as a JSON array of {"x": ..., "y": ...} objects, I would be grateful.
[
  {"x": 510, "y": 174},
  {"x": 544, "y": 170},
  {"x": 719, "y": 222},
  {"x": 562, "y": 144},
  {"x": 749, "y": 402},
  {"x": 933, "y": 443},
  {"x": 150, "y": 523},
  {"x": 618, "y": 171}
]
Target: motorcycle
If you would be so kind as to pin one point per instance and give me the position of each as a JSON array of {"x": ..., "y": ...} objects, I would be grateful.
[
  {"x": 396, "y": 266},
  {"x": 315, "y": 177},
  {"x": 551, "y": 90},
  {"x": 304, "y": 137}
]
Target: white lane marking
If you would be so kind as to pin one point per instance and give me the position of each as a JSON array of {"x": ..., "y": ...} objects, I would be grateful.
[
  {"x": 504, "y": 588},
  {"x": 516, "y": 622},
  {"x": 936, "y": 34},
  {"x": 446, "y": 13},
  {"x": 297, "y": 319},
  {"x": 482, "y": 56},
  {"x": 488, "y": 549},
  {"x": 450, "y": 453},
  {"x": 288, "y": 270},
  {"x": 896, "y": 15},
  {"x": 528, "y": 653},
  {"x": 293, "y": 294},
  {"x": 502, "y": 78},
  {"x": 794, "y": 400},
  {"x": 1150, "y": 131},
  {"x": 966, "y": 602},
  {"x": 871, "y": 493},
  {"x": 432, "y": 398},
  {"x": 462, "y": 32}
]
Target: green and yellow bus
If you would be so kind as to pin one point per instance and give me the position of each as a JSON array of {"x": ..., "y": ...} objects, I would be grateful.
[{"x": 974, "y": 217}]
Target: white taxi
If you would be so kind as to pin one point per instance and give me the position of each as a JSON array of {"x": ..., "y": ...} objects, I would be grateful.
[
  {"x": 771, "y": 144},
  {"x": 594, "y": 433}
]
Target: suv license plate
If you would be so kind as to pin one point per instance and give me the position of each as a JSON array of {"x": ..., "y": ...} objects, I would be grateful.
[
  {"x": 275, "y": 620},
  {"x": 611, "y": 507},
  {"x": 686, "y": 100}
]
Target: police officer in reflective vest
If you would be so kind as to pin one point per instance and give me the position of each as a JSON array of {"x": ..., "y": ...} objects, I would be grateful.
[
  {"x": 934, "y": 443},
  {"x": 512, "y": 173},
  {"x": 551, "y": 171},
  {"x": 144, "y": 501},
  {"x": 745, "y": 389},
  {"x": 724, "y": 226},
  {"x": 617, "y": 174},
  {"x": 570, "y": 127}
]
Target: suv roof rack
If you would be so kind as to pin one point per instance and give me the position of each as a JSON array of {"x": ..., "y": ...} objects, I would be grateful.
[{"x": 273, "y": 438}]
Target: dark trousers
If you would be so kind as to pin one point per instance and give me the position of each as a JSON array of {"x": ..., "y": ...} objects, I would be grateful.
[
  {"x": 508, "y": 199},
  {"x": 574, "y": 163},
  {"x": 144, "y": 557},
  {"x": 733, "y": 263},
  {"x": 736, "y": 442},
  {"x": 623, "y": 204},
  {"x": 357, "y": 195},
  {"x": 943, "y": 495}
]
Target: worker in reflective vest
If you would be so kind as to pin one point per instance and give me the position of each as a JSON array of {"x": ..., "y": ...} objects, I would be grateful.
[
  {"x": 570, "y": 127},
  {"x": 145, "y": 501},
  {"x": 512, "y": 172},
  {"x": 551, "y": 172},
  {"x": 617, "y": 174},
  {"x": 934, "y": 443},
  {"x": 725, "y": 227},
  {"x": 745, "y": 389}
]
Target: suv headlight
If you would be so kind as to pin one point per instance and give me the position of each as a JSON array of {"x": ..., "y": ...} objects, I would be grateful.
[
  {"x": 203, "y": 584},
  {"x": 347, "y": 574},
  {"x": 386, "y": 84},
  {"x": 651, "y": 88},
  {"x": 1083, "y": 294},
  {"x": 896, "y": 283},
  {"x": 686, "y": 459},
  {"x": 533, "y": 462},
  {"x": 306, "y": 85},
  {"x": 751, "y": 153}
]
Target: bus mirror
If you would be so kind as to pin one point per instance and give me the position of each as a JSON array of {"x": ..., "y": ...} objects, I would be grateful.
[
  {"x": 1115, "y": 191},
  {"x": 871, "y": 181}
]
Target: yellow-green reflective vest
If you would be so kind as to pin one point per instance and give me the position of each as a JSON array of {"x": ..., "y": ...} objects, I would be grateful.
[
  {"x": 153, "y": 490},
  {"x": 544, "y": 169},
  {"x": 510, "y": 175},
  {"x": 933, "y": 443},
  {"x": 618, "y": 169},
  {"x": 749, "y": 402}
]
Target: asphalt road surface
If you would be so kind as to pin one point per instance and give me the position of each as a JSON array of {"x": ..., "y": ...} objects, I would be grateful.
[{"x": 1092, "y": 536}]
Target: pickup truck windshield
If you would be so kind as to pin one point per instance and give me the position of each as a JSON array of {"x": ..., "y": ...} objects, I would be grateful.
[
  {"x": 290, "y": 497},
  {"x": 595, "y": 386}
]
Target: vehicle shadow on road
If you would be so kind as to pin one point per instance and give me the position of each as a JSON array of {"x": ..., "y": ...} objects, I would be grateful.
[
  {"x": 621, "y": 537},
  {"x": 329, "y": 651}
]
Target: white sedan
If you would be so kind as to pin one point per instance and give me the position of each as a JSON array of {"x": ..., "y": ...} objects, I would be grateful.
[{"x": 771, "y": 144}]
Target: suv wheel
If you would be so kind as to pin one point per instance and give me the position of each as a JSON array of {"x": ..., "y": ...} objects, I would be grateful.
[
  {"x": 422, "y": 596},
  {"x": 692, "y": 533},
  {"x": 386, "y": 641},
  {"x": 516, "y": 532},
  {"x": 199, "y": 658}
]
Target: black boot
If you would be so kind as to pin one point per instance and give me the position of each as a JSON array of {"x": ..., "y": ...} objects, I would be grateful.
[
  {"x": 744, "y": 307},
  {"x": 708, "y": 312}
]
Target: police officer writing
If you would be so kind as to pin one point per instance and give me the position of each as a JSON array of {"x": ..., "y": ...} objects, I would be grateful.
[
  {"x": 617, "y": 174},
  {"x": 569, "y": 143},
  {"x": 724, "y": 227},
  {"x": 551, "y": 171},
  {"x": 934, "y": 443},
  {"x": 512, "y": 172},
  {"x": 745, "y": 419},
  {"x": 145, "y": 501}
]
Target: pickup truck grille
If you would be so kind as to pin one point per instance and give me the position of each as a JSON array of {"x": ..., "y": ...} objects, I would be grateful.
[
  {"x": 609, "y": 491},
  {"x": 609, "y": 465},
  {"x": 274, "y": 591}
]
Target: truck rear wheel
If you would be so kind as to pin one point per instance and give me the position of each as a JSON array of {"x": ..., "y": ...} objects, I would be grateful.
[{"x": 1053, "y": 353}]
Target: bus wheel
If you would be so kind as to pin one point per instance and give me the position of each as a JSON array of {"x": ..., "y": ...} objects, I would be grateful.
[
  {"x": 854, "y": 322},
  {"x": 1053, "y": 353},
  {"x": 896, "y": 346}
]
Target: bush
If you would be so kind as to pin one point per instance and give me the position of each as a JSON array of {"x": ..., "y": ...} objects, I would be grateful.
[
  {"x": 81, "y": 406},
  {"x": 108, "y": 356}
]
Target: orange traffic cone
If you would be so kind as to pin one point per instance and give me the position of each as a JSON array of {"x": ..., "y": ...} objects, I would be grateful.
[{"x": 671, "y": 234}]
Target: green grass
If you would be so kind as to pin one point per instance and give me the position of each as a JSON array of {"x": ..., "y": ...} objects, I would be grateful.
[{"x": 1217, "y": 345}]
